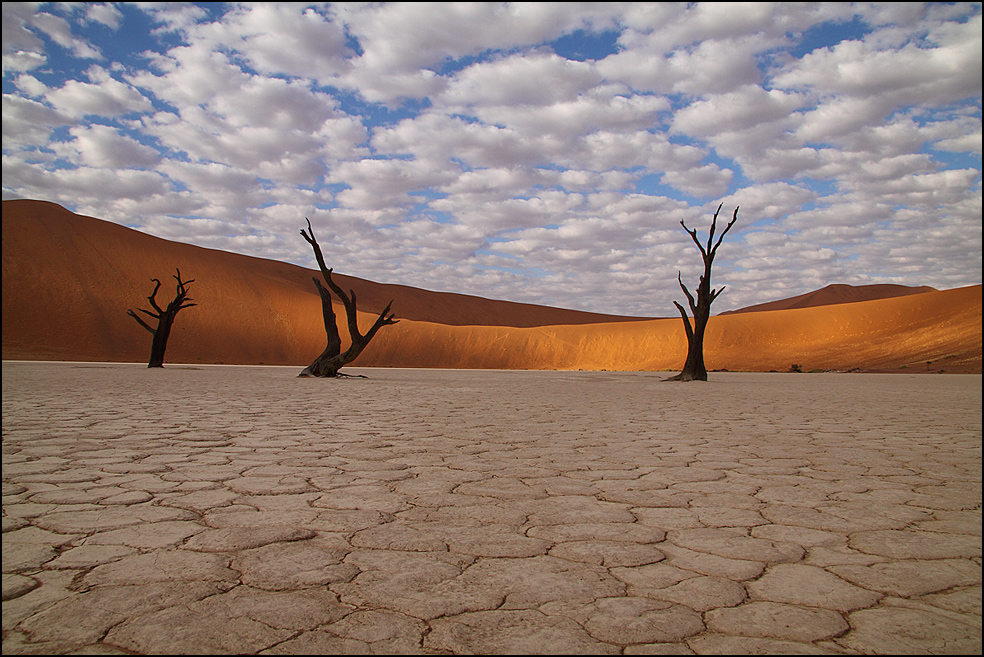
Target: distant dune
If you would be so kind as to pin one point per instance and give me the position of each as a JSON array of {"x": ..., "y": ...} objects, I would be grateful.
[
  {"x": 834, "y": 294},
  {"x": 69, "y": 279}
]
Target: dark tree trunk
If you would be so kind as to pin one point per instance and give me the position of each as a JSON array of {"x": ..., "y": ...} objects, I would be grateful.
[
  {"x": 694, "y": 368},
  {"x": 164, "y": 316},
  {"x": 332, "y": 358}
]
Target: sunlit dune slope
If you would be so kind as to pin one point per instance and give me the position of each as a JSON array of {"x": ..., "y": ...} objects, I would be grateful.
[
  {"x": 68, "y": 281},
  {"x": 943, "y": 328}
]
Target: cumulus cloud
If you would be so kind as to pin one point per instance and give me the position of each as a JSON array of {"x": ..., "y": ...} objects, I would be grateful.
[
  {"x": 401, "y": 37},
  {"x": 538, "y": 80},
  {"x": 948, "y": 69},
  {"x": 466, "y": 147},
  {"x": 102, "y": 95},
  {"x": 104, "y": 147},
  {"x": 967, "y": 143},
  {"x": 28, "y": 123},
  {"x": 103, "y": 13},
  {"x": 382, "y": 184},
  {"x": 702, "y": 181},
  {"x": 771, "y": 200},
  {"x": 59, "y": 30},
  {"x": 737, "y": 111},
  {"x": 287, "y": 38}
]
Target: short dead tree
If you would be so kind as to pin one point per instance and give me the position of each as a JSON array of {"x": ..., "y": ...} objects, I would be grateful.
[
  {"x": 332, "y": 358},
  {"x": 694, "y": 368},
  {"x": 164, "y": 316}
]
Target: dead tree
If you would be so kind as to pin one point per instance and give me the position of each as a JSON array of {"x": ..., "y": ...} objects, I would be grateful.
[
  {"x": 694, "y": 368},
  {"x": 332, "y": 358},
  {"x": 164, "y": 316}
]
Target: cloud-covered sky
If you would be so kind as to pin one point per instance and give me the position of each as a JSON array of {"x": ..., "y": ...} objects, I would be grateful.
[{"x": 536, "y": 152}]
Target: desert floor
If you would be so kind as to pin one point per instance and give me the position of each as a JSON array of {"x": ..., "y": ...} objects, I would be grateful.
[{"x": 211, "y": 509}]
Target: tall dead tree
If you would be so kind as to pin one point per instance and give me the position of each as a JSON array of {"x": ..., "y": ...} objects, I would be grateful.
[
  {"x": 694, "y": 368},
  {"x": 332, "y": 358},
  {"x": 164, "y": 316}
]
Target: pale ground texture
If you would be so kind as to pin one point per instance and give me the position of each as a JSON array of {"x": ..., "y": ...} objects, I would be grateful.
[{"x": 243, "y": 510}]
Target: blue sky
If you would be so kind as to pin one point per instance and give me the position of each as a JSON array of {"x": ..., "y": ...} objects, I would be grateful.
[{"x": 535, "y": 152}]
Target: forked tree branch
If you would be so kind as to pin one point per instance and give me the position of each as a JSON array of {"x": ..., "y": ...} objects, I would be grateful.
[
  {"x": 164, "y": 316},
  {"x": 332, "y": 359},
  {"x": 694, "y": 369}
]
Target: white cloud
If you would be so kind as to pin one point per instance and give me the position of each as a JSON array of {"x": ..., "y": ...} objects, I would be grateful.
[
  {"x": 30, "y": 86},
  {"x": 277, "y": 129},
  {"x": 537, "y": 80},
  {"x": 27, "y": 122},
  {"x": 22, "y": 61},
  {"x": 103, "y": 95},
  {"x": 582, "y": 115},
  {"x": 545, "y": 207},
  {"x": 58, "y": 30},
  {"x": 404, "y": 37},
  {"x": 101, "y": 146},
  {"x": 383, "y": 184},
  {"x": 603, "y": 151},
  {"x": 968, "y": 143},
  {"x": 287, "y": 38},
  {"x": 83, "y": 186},
  {"x": 492, "y": 184},
  {"x": 17, "y": 35},
  {"x": 708, "y": 67},
  {"x": 737, "y": 111},
  {"x": 103, "y": 13},
  {"x": 437, "y": 138},
  {"x": 771, "y": 200},
  {"x": 174, "y": 16},
  {"x": 404, "y": 44},
  {"x": 703, "y": 181},
  {"x": 457, "y": 147},
  {"x": 928, "y": 190},
  {"x": 947, "y": 71},
  {"x": 190, "y": 76}
]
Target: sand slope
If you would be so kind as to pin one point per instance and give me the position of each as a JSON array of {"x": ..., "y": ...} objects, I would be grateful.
[
  {"x": 68, "y": 281},
  {"x": 898, "y": 333},
  {"x": 835, "y": 294}
]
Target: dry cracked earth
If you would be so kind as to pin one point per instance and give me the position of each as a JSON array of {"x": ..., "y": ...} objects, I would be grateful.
[{"x": 239, "y": 510}]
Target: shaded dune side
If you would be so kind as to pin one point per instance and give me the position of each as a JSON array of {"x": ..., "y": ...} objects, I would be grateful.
[
  {"x": 834, "y": 294},
  {"x": 68, "y": 281}
]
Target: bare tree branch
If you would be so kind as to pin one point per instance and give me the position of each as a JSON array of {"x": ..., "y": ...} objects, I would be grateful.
[
  {"x": 164, "y": 316},
  {"x": 153, "y": 296},
  {"x": 140, "y": 321},
  {"x": 726, "y": 229},
  {"x": 690, "y": 297},
  {"x": 332, "y": 359},
  {"x": 686, "y": 321},
  {"x": 694, "y": 368}
]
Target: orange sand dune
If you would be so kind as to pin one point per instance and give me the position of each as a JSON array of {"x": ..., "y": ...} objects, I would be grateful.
[
  {"x": 904, "y": 333},
  {"x": 68, "y": 281},
  {"x": 834, "y": 294}
]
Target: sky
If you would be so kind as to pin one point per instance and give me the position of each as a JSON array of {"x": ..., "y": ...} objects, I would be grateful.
[{"x": 540, "y": 152}]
